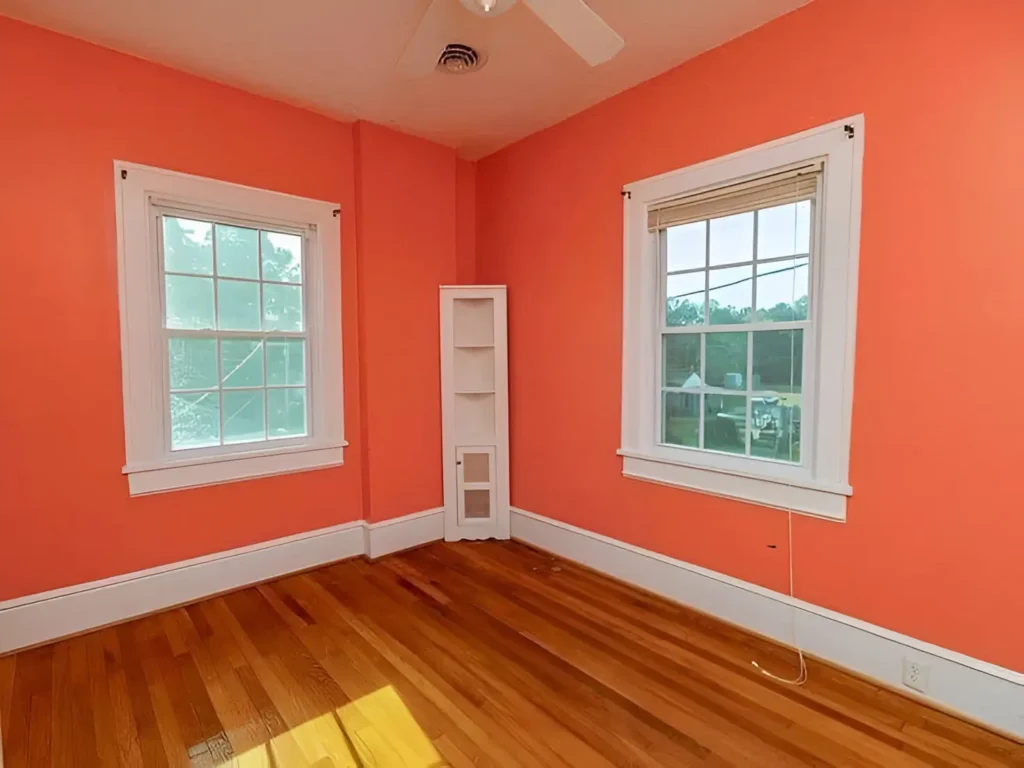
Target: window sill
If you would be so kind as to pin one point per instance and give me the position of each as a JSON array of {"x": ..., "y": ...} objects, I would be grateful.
[
  {"x": 806, "y": 498},
  {"x": 178, "y": 474}
]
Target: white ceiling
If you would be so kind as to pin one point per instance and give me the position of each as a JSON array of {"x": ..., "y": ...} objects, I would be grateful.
[{"x": 338, "y": 57}]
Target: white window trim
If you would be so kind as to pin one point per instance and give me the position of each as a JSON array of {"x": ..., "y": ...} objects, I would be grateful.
[
  {"x": 150, "y": 466},
  {"x": 820, "y": 486}
]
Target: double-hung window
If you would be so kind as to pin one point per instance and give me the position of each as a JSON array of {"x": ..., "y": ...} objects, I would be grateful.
[
  {"x": 739, "y": 316},
  {"x": 230, "y": 300}
]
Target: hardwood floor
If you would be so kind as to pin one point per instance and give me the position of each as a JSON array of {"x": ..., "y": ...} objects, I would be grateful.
[{"x": 488, "y": 654}]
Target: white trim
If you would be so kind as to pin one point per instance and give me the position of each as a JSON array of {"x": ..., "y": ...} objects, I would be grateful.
[
  {"x": 791, "y": 495},
  {"x": 820, "y": 484},
  {"x": 138, "y": 196},
  {"x": 47, "y": 616},
  {"x": 985, "y": 692},
  {"x": 406, "y": 532},
  {"x": 227, "y": 468}
]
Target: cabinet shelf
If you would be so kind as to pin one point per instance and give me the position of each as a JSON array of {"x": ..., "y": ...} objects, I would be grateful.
[
  {"x": 474, "y": 392},
  {"x": 474, "y": 346}
]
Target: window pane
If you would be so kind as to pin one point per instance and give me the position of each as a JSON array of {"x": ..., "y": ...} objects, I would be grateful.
[
  {"x": 241, "y": 362},
  {"x": 779, "y": 360},
  {"x": 286, "y": 362},
  {"x": 775, "y": 428},
  {"x": 782, "y": 291},
  {"x": 188, "y": 246},
  {"x": 726, "y": 364},
  {"x": 238, "y": 252},
  {"x": 687, "y": 246},
  {"x": 681, "y": 360},
  {"x": 282, "y": 257},
  {"x": 476, "y": 504},
  {"x": 725, "y": 420},
  {"x": 243, "y": 416},
  {"x": 476, "y": 467},
  {"x": 680, "y": 419},
  {"x": 282, "y": 307},
  {"x": 238, "y": 305},
  {"x": 784, "y": 230},
  {"x": 287, "y": 412},
  {"x": 195, "y": 420},
  {"x": 189, "y": 302},
  {"x": 685, "y": 299},
  {"x": 732, "y": 239},
  {"x": 193, "y": 363},
  {"x": 730, "y": 295}
]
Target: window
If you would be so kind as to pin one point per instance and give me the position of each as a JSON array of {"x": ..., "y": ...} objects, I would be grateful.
[
  {"x": 230, "y": 303},
  {"x": 739, "y": 305}
]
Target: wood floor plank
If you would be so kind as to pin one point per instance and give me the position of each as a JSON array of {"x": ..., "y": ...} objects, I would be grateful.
[
  {"x": 102, "y": 707},
  {"x": 151, "y": 746},
  {"x": 7, "y": 664},
  {"x": 468, "y": 654},
  {"x": 126, "y": 733}
]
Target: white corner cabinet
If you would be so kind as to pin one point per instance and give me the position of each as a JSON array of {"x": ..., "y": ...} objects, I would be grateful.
[{"x": 474, "y": 411}]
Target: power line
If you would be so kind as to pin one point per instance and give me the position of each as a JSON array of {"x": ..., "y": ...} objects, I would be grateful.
[{"x": 736, "y": 283}]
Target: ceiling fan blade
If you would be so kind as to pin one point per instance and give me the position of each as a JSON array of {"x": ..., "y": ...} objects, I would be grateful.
[
  {"x": 581, "y": 29},
  {"x": 425, "y": 46}
]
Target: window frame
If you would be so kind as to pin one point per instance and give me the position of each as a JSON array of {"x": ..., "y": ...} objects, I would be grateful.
[
  {"x": 819, "y": 486},
  {"x": 142, "y": 195}
]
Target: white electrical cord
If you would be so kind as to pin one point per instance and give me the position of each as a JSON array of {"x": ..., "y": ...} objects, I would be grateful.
[{"x": 801, "y": 678}]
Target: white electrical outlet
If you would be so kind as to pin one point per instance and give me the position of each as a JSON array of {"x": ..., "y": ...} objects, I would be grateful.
[{"x": 915, "y": 675}]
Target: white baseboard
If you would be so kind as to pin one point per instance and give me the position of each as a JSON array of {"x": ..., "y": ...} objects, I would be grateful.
[
  {"x": 40, "y": 618},
  {"x": 984, "y": 692},
  {"x": 404, "y": 532}
]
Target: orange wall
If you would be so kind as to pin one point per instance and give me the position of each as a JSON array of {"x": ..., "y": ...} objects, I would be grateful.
[
  {"x": 465, "y": 208},
  {"x": 407, "y": 248},
  {"x": 935, "y": 454},
  {"x": 67, "y": 110}
]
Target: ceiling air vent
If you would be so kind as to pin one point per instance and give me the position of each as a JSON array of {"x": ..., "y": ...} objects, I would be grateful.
[{"x": 459, "y": 59}]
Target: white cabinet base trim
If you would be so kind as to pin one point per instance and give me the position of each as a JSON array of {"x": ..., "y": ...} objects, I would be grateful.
[
  {"x": 46, "y": 616},
  {"x": 987, "y": 693}
]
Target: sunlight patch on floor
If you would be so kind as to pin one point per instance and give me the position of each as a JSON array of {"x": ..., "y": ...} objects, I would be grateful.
[{"x": 376, "y": 730}]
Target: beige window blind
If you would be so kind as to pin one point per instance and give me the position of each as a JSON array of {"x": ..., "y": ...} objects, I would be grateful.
[{"x": 787, "y": 186}]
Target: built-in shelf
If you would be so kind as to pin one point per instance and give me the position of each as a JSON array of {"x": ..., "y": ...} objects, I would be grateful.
[
  {"x": 474, "y": 397},
  {"x": 474, "y": 418},
  {"x": 473, "y": 369},
  {"x": 474, "y": 322}
]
